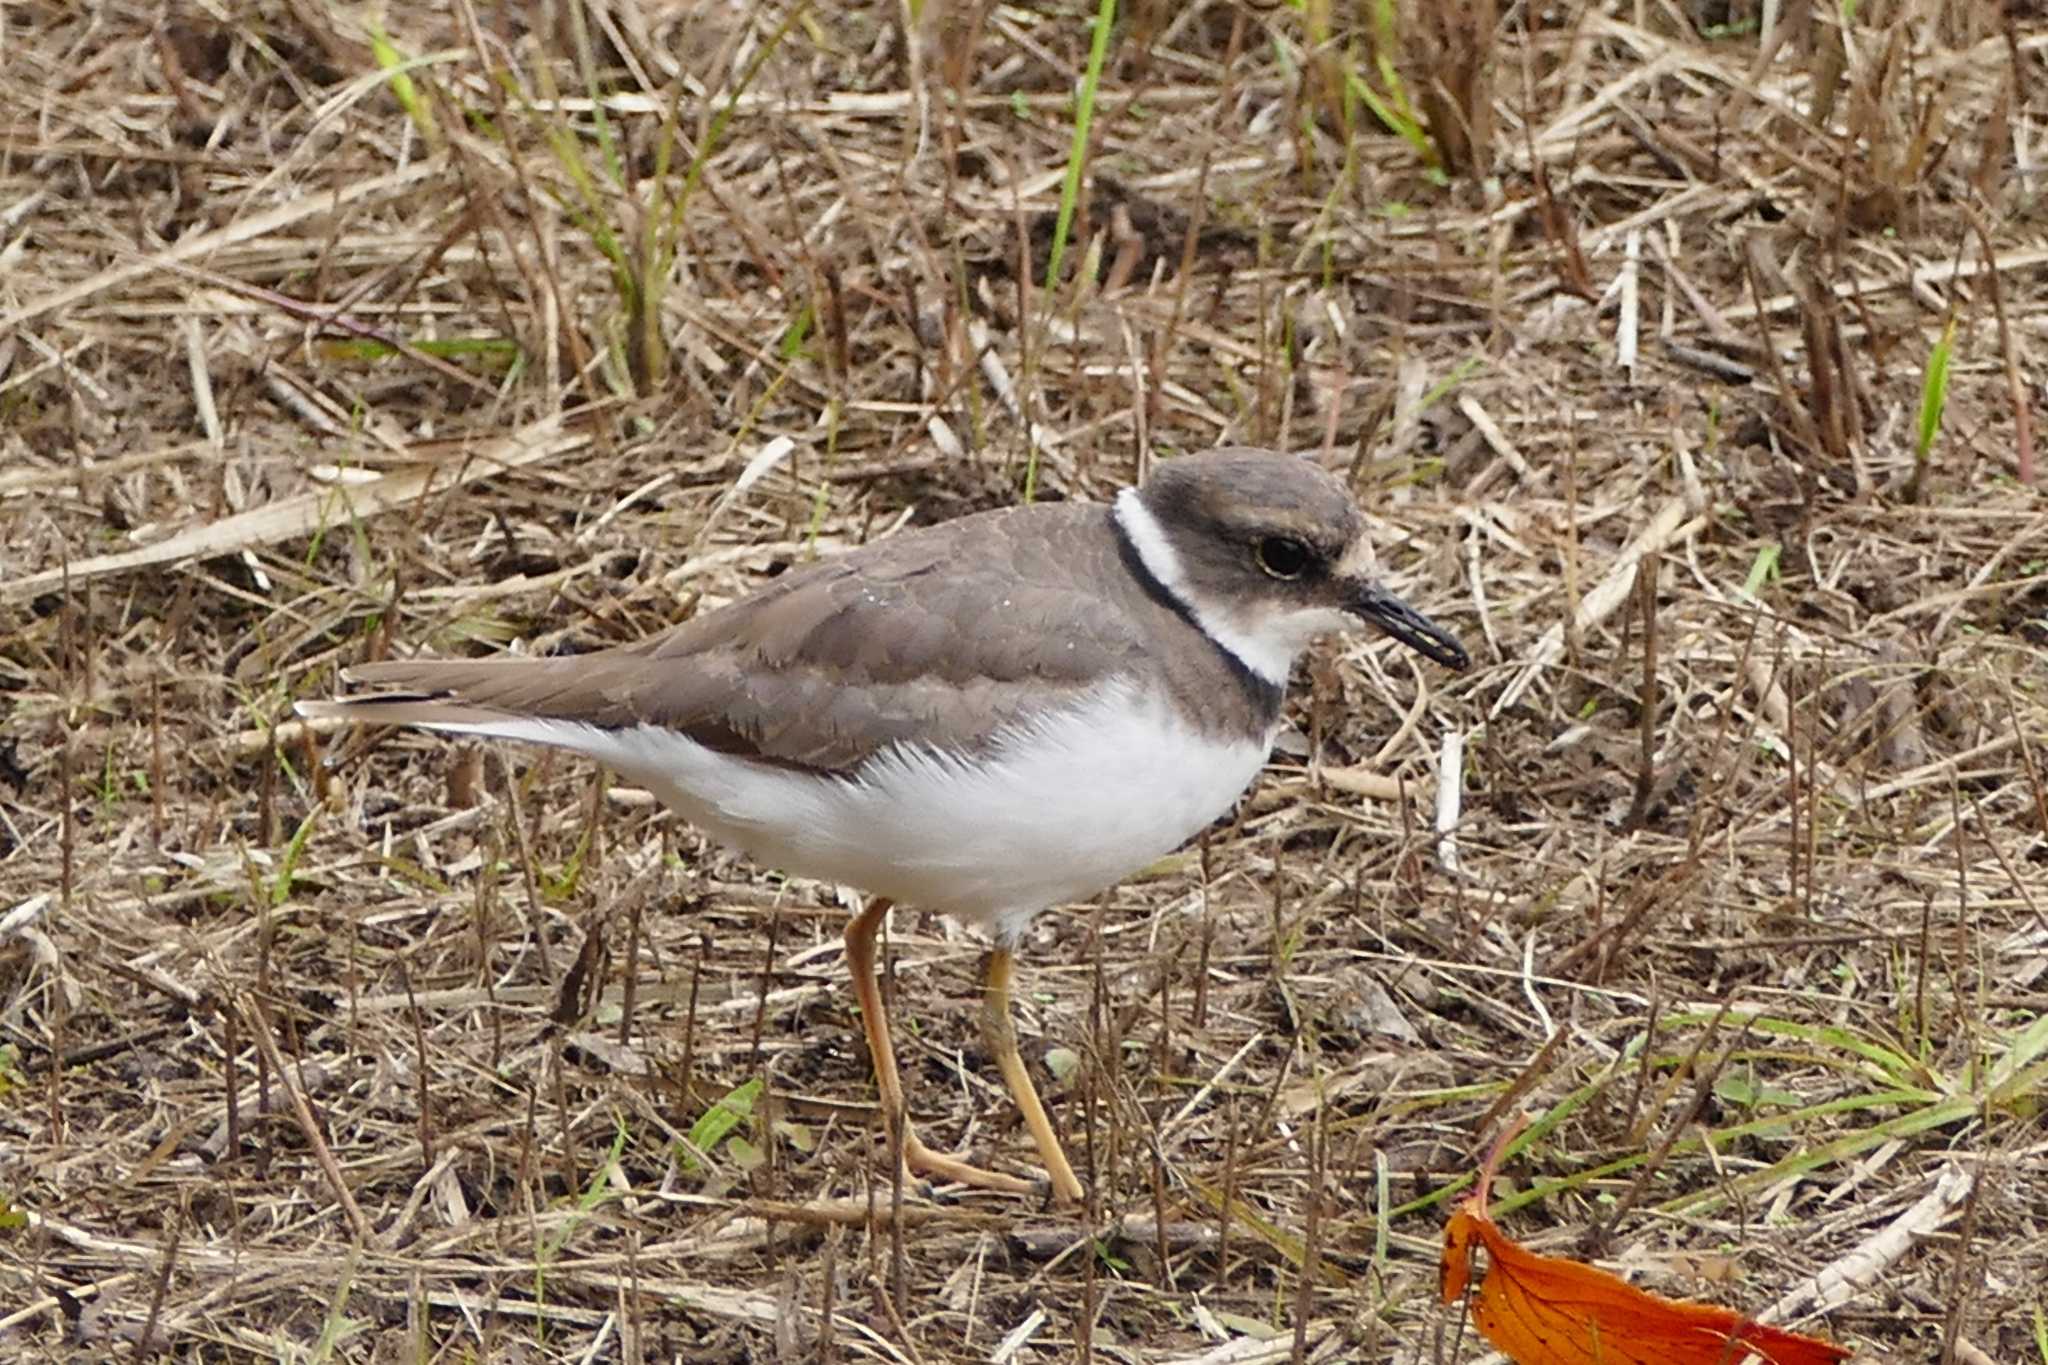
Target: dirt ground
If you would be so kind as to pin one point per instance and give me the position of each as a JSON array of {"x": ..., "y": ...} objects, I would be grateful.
[{"x": 1683, "y": 357}]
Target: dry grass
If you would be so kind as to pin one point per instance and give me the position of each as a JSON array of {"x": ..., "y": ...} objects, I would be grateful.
[{"x": 1624, "y": 341}]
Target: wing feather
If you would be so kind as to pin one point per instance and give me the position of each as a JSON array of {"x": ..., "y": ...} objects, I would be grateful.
[{"x": 940, "y": 636}]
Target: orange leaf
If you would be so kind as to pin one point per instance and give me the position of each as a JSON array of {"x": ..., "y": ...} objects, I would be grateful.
[{"x": 1546, "y": 1310}]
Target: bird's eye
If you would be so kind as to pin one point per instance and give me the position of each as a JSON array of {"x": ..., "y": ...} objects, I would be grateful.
[{"x": 1284, "y": 556}]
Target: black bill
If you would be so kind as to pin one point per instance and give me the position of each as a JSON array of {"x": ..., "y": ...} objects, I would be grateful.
[{"x": 1378, "y": 607}]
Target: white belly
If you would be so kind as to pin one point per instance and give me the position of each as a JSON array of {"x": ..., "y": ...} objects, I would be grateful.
[{"x": 1062, "y": 809}]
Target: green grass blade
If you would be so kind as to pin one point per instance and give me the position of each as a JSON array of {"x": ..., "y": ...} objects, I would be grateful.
[
  {"x": 1762, "y": 569},
  {"x": 393, "y": 64},
  {"x": 281, "y": 884},
  {"x": 715, "y": 1124},
  {"x": 1934, "y": 392},
  {"x": 1077, "y": 151}
]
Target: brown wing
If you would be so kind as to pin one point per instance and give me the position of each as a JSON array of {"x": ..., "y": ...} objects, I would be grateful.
[{"x": 943, "y": 635}]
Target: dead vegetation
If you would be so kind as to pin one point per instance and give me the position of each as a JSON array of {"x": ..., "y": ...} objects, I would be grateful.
[{"x": 548, "y": 322}]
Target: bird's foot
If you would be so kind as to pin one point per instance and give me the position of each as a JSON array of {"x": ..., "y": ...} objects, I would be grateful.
[{"x": 921, "y": 1160}]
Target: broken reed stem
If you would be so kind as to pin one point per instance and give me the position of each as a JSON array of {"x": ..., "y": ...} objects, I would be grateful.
[
  {"x": 767, "y": 983},
  {"x": 2015, "y": 385},
  {"x": 147, "y": 1344},
  {"x": 828, "y": 1278},
  {"x": 1646, "y": 701},
  {"x": 231, "y": 1079},
  {"x": 1232, "y": 1128},
  {"x": 156, "y": 759},
  {"x": 1793, "y": 828},
  {"x": 687, "y": 1067},
  {"x": 1926, "y": 951},
  {"x": 1159, "y": 1212},
  {"x": 565, "y": 1117},
  {"x": 1318, "y": 1155},
  {"x": 629, "y": 971},
  {"x": 425, "y": 1119},
  {"x": 1815, "y": 747}
]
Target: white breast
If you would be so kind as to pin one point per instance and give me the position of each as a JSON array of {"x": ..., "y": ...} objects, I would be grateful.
[{"x": 1061, "y": 808}]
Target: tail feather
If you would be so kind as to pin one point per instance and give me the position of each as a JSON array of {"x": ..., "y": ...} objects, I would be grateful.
[
  {"x": 486, "y": 695},
  {"x": 434, "y": 713},
  {"x": 438, "y": 694}
]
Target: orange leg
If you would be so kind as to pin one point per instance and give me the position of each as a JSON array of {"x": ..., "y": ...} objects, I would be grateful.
[
  {"x": 1002, "y": 1040},
  {"x": 918, "y": 1158}
]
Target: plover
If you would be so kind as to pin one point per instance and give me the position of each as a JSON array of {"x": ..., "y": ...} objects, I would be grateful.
[{"x": 988, "y": 717}]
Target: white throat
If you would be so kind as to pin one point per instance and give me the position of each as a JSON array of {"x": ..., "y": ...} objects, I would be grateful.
[{"x": 1267, "y": 641}]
